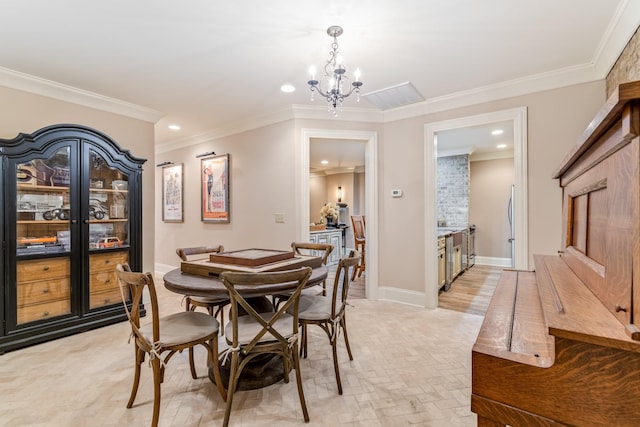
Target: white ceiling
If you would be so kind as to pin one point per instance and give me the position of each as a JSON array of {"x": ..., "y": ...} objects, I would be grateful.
[
  {"x": 211, "y": 65},
  {"x": 341, "y": 155},
  {"x": 477, "y": 141}
]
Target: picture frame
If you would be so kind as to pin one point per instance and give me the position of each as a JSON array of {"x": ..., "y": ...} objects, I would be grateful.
[
  {"x": 172, "y": 193},
  {"x": 214, "y": 179}
]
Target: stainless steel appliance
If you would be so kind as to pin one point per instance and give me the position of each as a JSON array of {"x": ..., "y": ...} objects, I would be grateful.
[
  {"x": 456, "y": 254},
  {"x": 512, "y": 226},
  {"x": 471, "y": 246},
  {"x": 442, "y": 263},
  {"x": 448, "y": 270},
  {"x": 465, "y": 249}
]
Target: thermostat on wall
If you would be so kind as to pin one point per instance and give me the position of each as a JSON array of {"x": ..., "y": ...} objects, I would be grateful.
[{"x": 396, "y": 193}]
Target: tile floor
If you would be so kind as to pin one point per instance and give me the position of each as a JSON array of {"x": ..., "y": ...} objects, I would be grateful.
[{"x": 411, "y": 367}]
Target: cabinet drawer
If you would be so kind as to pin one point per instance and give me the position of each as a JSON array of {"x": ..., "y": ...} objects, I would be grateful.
[
  {"x": 39, "y": 269},
  {"x": 46, "y": 310},
  {"x": 108, "y": 297},
  {"x": 30, "y": 293},
  {"x": 103, "y": 281},
  {"x": 108, "y": 261}
]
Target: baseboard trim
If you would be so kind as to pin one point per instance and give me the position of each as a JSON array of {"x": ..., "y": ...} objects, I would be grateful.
[
  {"x": 162, "y": 269},
  {"x": 402, "y": 296},
  {"x": 492, "y": 261}
]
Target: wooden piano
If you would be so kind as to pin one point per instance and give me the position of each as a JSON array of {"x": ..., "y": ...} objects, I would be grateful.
[{"x": 561, "y": 345}]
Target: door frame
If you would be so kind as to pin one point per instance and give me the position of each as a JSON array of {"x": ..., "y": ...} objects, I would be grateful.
[
  {"x": 519, "y": 118},
  {"x": 371, "y": 190}
]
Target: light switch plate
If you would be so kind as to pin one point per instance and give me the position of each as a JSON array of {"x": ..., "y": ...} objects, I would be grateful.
[
  {"x": 280, "y": 218},
  {"x": 396, "y": 193}
]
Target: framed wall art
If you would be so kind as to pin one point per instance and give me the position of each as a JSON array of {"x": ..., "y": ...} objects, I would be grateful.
[
  {"x": 215, "y": 188},
  {"x": 172, "y": 194}
]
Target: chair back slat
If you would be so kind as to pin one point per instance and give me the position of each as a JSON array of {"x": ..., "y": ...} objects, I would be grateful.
[
  {"x": 342, "y": 282},
  {"x": 233, "y": 280},
  {"x": 357, "y": 221},
  {"x": 136, "y": 283},
  {"x": 305, "y": 248},
  {"x": 185, "y": 253}
]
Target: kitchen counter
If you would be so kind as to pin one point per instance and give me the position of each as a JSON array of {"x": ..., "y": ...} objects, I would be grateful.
[{"x": 445, "y": 231}]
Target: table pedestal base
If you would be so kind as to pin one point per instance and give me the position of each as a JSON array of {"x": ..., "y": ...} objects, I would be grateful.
[{"x": 263, "y": 371}]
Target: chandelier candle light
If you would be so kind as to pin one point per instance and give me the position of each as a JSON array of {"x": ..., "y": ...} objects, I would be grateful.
[{"x": 335, "y": 80}]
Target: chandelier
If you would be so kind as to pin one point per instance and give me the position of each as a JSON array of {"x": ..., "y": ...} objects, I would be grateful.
[{"x": 334, "y": 80}]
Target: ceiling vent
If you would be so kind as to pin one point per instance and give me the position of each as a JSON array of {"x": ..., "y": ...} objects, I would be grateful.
[{"x": 394, "y": 96}]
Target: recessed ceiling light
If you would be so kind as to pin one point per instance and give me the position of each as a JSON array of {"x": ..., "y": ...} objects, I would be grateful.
[
  {"x": 325, "y": 162},
  {"x": 497, "y": 132},
  {"x": 287, "y": 88},
  {"x": 174, "y": 127},
  {"x": 501, "y": 146}
]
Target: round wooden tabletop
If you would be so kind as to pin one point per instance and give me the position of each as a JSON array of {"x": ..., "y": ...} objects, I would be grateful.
[{"x": 190, "y": 284}]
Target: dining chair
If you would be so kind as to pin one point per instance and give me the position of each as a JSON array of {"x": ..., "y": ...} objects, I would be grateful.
[
  {"x": 328, "y": 312},
  {"x": 214, "y": 305},
  {"x": 359, "y": 239},
  {"x": 306, "y": 248},
  {"x": 160, "y": 335},
  {"x": 256, "y": 334}
]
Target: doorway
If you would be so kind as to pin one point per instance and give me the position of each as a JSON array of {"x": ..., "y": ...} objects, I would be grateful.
[
  {"x": 475, "y": 178},
  {"x": 337, "y": 176},
  {"x": 517, "y": 117},
  {"x": 369, "y": 139}
]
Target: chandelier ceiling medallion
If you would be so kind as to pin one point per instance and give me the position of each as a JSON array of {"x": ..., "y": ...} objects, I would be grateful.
[{"x": 334, "y": 80}]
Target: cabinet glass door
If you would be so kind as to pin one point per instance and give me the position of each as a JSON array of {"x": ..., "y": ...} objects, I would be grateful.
[
  {"x": 108, "y": 205},
  {"x": 108, "y": 219},
  {"x": 43, "y": 283}
]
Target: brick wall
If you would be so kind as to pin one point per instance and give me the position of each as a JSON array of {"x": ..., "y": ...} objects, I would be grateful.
[
  {"x": 453, "y": 190},
  {"x": 627, "y": 67}
]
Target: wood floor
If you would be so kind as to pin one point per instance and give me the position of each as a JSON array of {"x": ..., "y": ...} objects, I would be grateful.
[
  {"x": 411, "y": 366},
  {"x": 472, "y": 291}
]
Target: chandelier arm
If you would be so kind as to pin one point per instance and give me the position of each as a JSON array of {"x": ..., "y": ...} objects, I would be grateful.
[{"x": 316, "y": 87}]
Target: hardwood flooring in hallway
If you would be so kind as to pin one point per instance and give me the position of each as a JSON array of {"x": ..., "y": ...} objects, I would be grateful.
[{"x": 472, "y": 291}]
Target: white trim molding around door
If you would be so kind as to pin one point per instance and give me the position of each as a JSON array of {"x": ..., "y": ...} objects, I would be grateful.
[
  {"x": 371, "y": 191},
  {"x": 519, "y": 118}
]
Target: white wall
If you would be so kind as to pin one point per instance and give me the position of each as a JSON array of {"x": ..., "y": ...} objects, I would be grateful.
[
  {"x": 489, "y": 193},
  {"x": 261, "y": 183},
  {"x": 556, "y": 118},
  {"x": 317, "y": 196},
  {"x": 264, "y": 170}
]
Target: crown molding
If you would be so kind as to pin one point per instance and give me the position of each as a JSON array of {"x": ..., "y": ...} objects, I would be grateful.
[
  {"x": 39, "y": 86},
  {"x": 346, "y": 114},
  {"x": 622, "y": 27},
  {"x": 233, "y": 128},
  {"x": 296, "y": 111},
  {"x": 494, "y": 155},
  {"x": 517, "y": 87}
]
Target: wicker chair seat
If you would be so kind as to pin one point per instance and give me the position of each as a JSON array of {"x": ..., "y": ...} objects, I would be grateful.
[{"x": 182, "y": 327}]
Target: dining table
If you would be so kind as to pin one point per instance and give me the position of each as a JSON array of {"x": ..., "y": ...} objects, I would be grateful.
[{"x": 261, "y": 372}]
